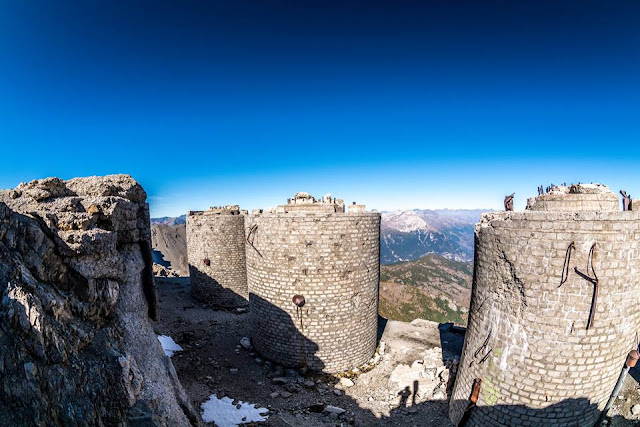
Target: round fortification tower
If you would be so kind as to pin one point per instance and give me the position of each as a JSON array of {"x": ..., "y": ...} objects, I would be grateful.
[
  {"x": 553, "y": 312},
  {"x": 313, "y": 273},
  {"x": 216, "y": 252}
]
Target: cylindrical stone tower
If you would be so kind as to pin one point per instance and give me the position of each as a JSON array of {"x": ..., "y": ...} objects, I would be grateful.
[
  {"x": 216, "y": 252},
  {"x": 554, "y": 310},
  {"x": 330, "y": 261}
]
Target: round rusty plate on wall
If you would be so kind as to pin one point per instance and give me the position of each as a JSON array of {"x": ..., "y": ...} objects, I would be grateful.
[{"x": 298, "y": 300}]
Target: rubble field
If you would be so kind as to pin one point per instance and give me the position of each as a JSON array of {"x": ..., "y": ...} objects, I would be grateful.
[
  {"x": 406, "y": 386},
  {"x": 409, "y": 384}
]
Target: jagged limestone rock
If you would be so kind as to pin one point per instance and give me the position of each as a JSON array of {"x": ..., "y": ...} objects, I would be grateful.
[{"x": 76, "y": 344}]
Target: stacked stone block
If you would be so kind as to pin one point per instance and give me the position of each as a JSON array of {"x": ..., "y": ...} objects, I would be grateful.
[
  {"x": 216, "y": 253},
  {"x": 527, "y": 336},
  {"x": 581, "y": 197},
  {"x": 304, "y": 202},
  {"x": 333, "y": 261}
]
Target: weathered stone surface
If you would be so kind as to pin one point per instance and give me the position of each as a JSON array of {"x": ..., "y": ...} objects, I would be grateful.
[
  {"x": 528, "y": 337},
  {"x": 346, "y": 382},
  {"x": 304, "y": 202},
  {"x": 334, "y": 410},
  {"x": 330, "y": 259},
  {"x": 216, "y": 253},
  {"x": 76, "y": 344},
  {"x": 427, "y": 377},
  {"x": 577, "y": 197}
]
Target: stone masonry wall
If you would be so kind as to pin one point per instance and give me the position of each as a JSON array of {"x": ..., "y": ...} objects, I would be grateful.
[
  {"x": 218, "y": 238},
  {"x": 333, "y": 260},
  {"x": 545, "y": 367},
  {"x": 580, "y": 197}
]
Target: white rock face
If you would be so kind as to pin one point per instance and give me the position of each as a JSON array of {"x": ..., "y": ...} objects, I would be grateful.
[
  {"x": 169, "y": 345},
  {"x": 346, "y": 382},
  {"x": 429, "y": 374}
]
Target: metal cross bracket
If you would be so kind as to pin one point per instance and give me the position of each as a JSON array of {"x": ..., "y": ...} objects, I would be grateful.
[
  {"x": 485, "y": 357},
  {"x": 567, "y": 260},
  {"x": 251, "y": 235},
  {"x": 594, "y": 282},
  {"x": 484, "y": 344}
]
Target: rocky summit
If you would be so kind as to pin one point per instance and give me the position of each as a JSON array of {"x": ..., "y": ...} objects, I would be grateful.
[{"x": 76, "y": 343}]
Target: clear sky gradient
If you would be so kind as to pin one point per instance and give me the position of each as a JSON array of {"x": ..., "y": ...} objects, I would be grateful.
[{"x": 394, "y": 104}]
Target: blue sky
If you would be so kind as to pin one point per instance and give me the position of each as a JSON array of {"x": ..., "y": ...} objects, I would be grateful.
[{"x": 394, "y": 104}]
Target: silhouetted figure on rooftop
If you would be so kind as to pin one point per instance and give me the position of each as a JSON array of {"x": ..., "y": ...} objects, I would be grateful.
[
  {"x": 626, "y": 201},
  {"x": 508, "y": 202}
]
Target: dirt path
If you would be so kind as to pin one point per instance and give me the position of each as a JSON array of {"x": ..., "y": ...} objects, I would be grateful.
[{"x": 214, "y": 362}]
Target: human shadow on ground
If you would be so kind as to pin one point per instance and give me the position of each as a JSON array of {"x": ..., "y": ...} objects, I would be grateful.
[{"x": 295, "y": 350}]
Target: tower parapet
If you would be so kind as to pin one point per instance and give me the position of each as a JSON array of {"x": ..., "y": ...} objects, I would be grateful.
[
  {"x": 304, "y": 202},
  {"x": 577, "y": 197}
]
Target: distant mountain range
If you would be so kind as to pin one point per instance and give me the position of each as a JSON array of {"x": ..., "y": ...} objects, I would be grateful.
[
  {"x": 170, "y": 220},
  {"x": 426, "y": 257},
  {"x": 410, "y": 234}
]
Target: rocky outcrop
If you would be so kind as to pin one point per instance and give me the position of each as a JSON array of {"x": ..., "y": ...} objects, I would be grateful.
[
  {"x": 161, "y": 271},
  {"x": 76, "y": 344},
  {"x": 169, "y": 243}
]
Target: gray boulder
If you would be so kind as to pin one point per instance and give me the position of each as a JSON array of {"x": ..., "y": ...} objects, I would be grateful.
[{"x": 76, "y": 344}]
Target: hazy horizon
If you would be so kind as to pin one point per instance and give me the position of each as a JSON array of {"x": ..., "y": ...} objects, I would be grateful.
[
  {"x": 368, "y": 209},
  {"x": 394, "y": 105}
]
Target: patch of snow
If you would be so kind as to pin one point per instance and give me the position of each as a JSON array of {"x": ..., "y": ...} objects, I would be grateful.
[
  {"x": 245, "y": 342},
  {"x": 169, "y": 345},
  {"x": 405, "y": 221},
  {"x": 225, "y": 414}
]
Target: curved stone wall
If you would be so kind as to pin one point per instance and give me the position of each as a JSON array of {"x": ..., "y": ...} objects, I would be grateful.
[
  {"x": 580, "y": 197},
  {"x": 527, "y": 336},
  {"x": 217, "y": 263},
  {"x": 333, "y": 261}
]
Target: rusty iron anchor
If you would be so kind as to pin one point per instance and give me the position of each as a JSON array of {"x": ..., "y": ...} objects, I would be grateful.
[
  {"x": 567, "y": 261},
  {"x": 473, "y": 401},
  {"x": 594, "y": 281},
  {"x": 251, "y": 235},
  {"x": 299, "y": 301},
  {"x": 484, "y": 344}
]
